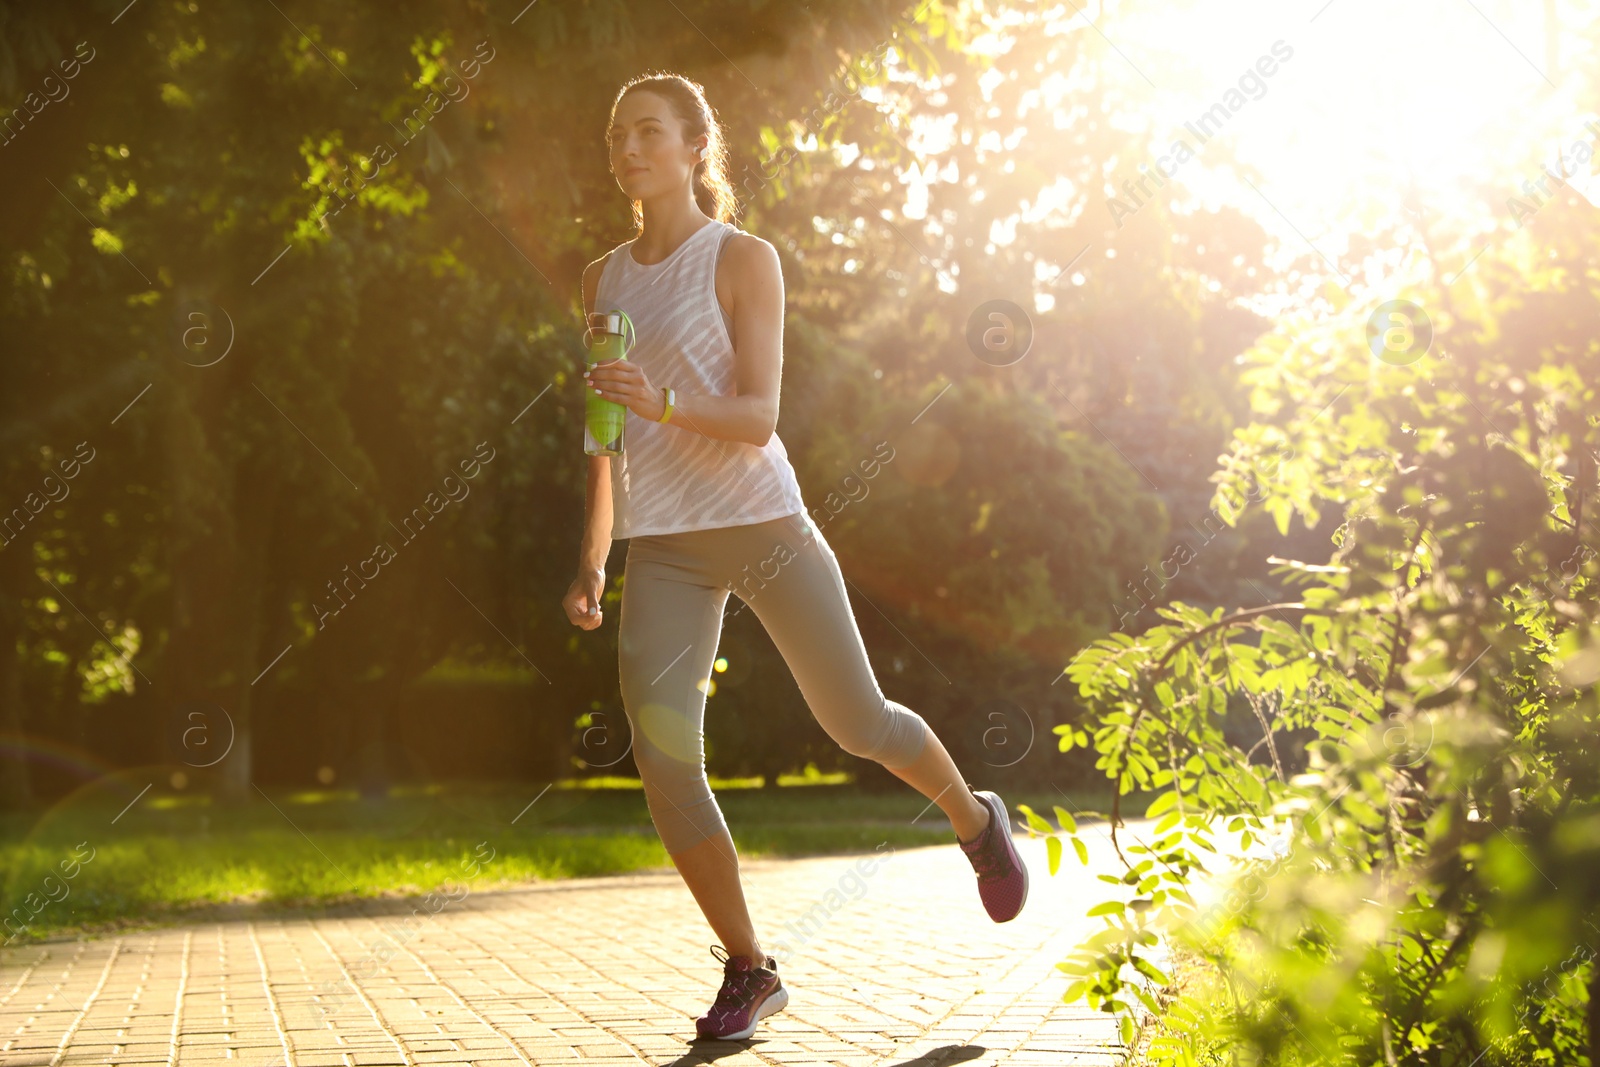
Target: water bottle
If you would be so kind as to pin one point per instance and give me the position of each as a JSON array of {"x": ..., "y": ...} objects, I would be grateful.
[{"x": 609, "y": 336}]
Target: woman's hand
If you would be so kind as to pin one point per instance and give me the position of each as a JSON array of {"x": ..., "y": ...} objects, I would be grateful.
[
  {"x": 625, "y": 382},
  {"x": 582, "y": 601}
]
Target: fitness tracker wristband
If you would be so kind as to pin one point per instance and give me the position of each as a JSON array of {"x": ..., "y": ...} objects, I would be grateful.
[{"x": 670, "y": 398}]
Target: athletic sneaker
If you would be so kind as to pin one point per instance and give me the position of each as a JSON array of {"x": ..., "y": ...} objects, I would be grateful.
[
  {"x": 748, "y": 993},
  {"x": 1002, "y": 876}
]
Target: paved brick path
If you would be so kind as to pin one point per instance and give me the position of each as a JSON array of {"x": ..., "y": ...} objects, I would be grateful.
[{"x": 899, "y": 967}]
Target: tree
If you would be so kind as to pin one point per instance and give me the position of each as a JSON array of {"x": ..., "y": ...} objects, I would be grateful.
[{"x": 1427, "y": 703}]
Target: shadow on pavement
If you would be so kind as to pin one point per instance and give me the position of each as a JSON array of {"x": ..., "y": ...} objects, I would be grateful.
[{"x": 712, "y": 1051}]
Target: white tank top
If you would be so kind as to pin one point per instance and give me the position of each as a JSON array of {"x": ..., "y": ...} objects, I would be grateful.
[{"x": 670, "y": 478}]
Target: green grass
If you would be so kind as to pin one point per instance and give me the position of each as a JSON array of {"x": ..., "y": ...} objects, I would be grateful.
[{"x": 173, "y": 856}]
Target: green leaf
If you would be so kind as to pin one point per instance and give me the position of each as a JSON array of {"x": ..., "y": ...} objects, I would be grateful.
[
  {"x": 1110, "y": 907},
  {"x": 1035, "y": 820},
  {"x": 1161, "y": 803},
  {"x": 1149, "y": 969}
]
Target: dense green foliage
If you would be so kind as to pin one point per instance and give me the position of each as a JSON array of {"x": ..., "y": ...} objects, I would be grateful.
[
  {"x": 305, "y": 285},
  {"x": 1420, "y": 805}
]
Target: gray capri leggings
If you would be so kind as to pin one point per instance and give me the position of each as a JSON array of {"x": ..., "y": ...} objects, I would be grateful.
[{"x": 673, "y": 592}]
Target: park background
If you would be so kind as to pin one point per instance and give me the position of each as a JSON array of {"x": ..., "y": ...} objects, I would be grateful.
[{"x": 282, "y": 280}]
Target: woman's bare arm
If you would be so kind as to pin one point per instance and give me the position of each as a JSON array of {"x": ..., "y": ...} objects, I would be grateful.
[
  {"x": 596, "y": 547},
  {"x": 583, "y": 596},
  {"x": 597, "y": 516}
]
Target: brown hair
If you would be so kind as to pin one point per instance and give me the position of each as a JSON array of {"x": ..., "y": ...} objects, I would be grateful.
[{"x": 712, "y": 190}]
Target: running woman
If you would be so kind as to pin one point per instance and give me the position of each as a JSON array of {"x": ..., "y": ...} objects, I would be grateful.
[{"x": 706, "y": 495}]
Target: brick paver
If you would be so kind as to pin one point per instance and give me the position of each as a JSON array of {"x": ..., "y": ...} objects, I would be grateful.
[{"x": 900, "y": 966}]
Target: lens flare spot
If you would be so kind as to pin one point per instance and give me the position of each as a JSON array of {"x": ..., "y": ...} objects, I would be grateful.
[{"x": 667, "y": 728}]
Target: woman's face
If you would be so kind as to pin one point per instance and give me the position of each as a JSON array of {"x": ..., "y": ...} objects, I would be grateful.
[{"x": 648, "y": 153}]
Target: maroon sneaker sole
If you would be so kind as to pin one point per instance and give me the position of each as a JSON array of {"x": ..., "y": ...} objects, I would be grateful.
[{"x": 775, "y": 1002}]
